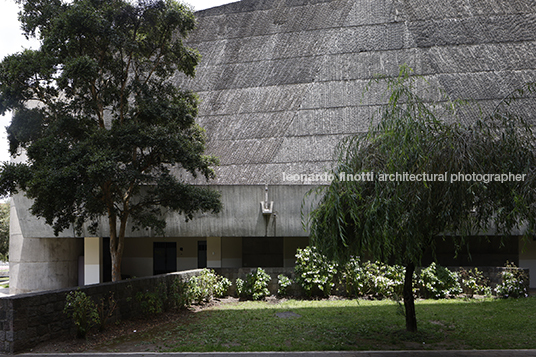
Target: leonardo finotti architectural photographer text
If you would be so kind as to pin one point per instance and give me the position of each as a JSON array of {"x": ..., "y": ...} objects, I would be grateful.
[{"x": 403, "y": 177}]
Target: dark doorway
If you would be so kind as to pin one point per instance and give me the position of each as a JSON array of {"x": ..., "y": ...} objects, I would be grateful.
[
  {"x": 164, "y": 257},
  {"x": 201, "y": 253},
  {"x": 106, "y": 260}
]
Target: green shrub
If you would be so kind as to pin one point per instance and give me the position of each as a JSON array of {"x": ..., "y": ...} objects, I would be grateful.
[
  {"x": 372, "y": 279},
  {"x": 314, "y": 272},
  {"x": 514, "y": 282},
  {"x": 222, "y": 286},
  {"x": 239, "y": 287},
  {"x": 208, "y": 285},
  {"x": 283, "y": 283},
  {"x": 474, "y": 282},
  {"x": 82, "y": 310},
  {"x": 438, "y": 282},
  {"x": 105, "y": 309},
  {"x": 255, "y": 286},
  {"x": 180, "y": 294},
  {"x": 151, "y": 303}
]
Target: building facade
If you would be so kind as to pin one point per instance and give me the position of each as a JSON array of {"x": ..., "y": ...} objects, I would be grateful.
[{"x": 280, "y": 83}]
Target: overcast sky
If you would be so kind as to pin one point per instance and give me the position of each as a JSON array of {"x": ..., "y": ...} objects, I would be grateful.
[{"x": 13, "y": 41}]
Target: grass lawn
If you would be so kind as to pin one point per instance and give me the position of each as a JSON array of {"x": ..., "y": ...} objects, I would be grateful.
[{"x": 347, "y": 325}]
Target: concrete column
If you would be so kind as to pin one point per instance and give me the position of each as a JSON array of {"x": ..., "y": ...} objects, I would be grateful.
[
  {"x": 92, "y": 260},
  {"x": 213, "y": 252},
  {"x": 527, "y": 258}
]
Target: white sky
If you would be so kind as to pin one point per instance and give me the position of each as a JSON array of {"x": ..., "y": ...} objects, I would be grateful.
[{"x": 13, "y": 41}]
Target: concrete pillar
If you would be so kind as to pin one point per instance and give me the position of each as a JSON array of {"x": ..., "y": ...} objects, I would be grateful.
[
  {"x": 527, "y": 258},
  {"x": 92, "y": 260},
  {"x": 213, "y": 252}
]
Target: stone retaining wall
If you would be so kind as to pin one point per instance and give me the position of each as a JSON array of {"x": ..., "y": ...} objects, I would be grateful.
[{"x": 28, "y": 319}]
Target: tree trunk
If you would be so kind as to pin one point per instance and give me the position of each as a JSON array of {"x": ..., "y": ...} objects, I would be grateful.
[
  {"x": 116, "y": 260},
  {"x": 116, "y": 246},
  {"x": 409, "y": 299}
]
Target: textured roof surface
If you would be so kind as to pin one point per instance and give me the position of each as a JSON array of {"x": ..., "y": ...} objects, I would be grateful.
[{"x": 281, "y": 81}]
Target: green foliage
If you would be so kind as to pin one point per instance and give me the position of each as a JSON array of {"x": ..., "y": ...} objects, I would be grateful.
[
  {"x": 514, "y": 282},
  {"x": 283, "y": 283},
  {"x": 222, "y": 286},
  {"x": 239, "y": 287},
  {"x": 418, "y": 132},
  {"x": 151, "y": 302},
  {"x": 4, "y": 231},
  {"x": 474, "y": 282},
  {"x": 82, "y": 310},
  {"x": 208, "y": 285},
  {"x": 181, "y": 293},
  {"x": 438, "y": 282},
  {"x": 314, "y": 272},
  {"x": 100, "y": 119},
  {"x": 372, "y": 279},
  {"x": 105, "y": 309},
  {"x": 255, "y": 286}
]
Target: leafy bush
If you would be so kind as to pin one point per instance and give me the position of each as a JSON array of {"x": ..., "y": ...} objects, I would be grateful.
[
  {"x": 151, "y": 302},
  {"x": 181, "y": 294},
  {"x": 314, "y": 272},
  {"x": 474, "y": 282},
  {"x": 222, "y": 286},
  {"x": 255, "y": 286},
  {"x": 438, "y": 282},
  {"x": 239, "y": 287},
  {"x": 105, "y": 309},
  {"x": 283, "y": 283},
  {"x": 208, "y": 285},
  {"x": 514, "y": 282},
  {"x": 372, "y": 278},
  {"x": 82, "y": 310}
]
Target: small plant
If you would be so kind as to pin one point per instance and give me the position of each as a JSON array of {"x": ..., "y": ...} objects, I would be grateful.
[
  {"x": 181, "y": 293},
  {"x": 106, "y": 309},
  {"x": 222, "y": 286},
  {"x": 438, "y": 282},
  {"x": 514, "y": 282},
  {"x": 374, "y": 279},
  {"x": 283, "y": 283},
  {"x": 255, "y": 286},
  {"x": 239, "y": 287},
  {"x": 151, "y": 302},
  {"x": 82, "y": 310},
  {"x": 474, "y": 282},
  {"x": 314, "y": 272},
  {"x": 208, "y": 285}
]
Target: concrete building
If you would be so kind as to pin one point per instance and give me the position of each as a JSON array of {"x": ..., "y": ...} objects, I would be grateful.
[{"x": 280, "y": 83}]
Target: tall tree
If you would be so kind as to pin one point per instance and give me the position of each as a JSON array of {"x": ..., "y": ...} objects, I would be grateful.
[
  {"x": 415, "y": 152},
  {"x": 101, "y": 120}
]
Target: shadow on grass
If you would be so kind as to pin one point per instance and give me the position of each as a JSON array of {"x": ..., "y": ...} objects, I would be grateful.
[{"x": 349, "y": 325}]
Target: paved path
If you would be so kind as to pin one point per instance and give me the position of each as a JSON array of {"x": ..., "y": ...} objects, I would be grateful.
[{"x": 472, "y": 353}]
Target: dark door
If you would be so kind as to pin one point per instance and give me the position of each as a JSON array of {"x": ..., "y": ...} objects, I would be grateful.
[
  {"x": 202, "y": 254},
  {"x": 164, "y": 257},
  {"x": 106, "y": 260},
  {"x": 262, "y": 252}
]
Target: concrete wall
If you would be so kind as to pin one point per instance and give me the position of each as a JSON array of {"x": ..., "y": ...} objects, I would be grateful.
[
  {"x": 241, "y": 216},
  {"x": 37, "y": 264}
]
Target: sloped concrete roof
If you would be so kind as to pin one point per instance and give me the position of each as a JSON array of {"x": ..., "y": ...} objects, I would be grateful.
[{"x": 281, "y": 81}]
